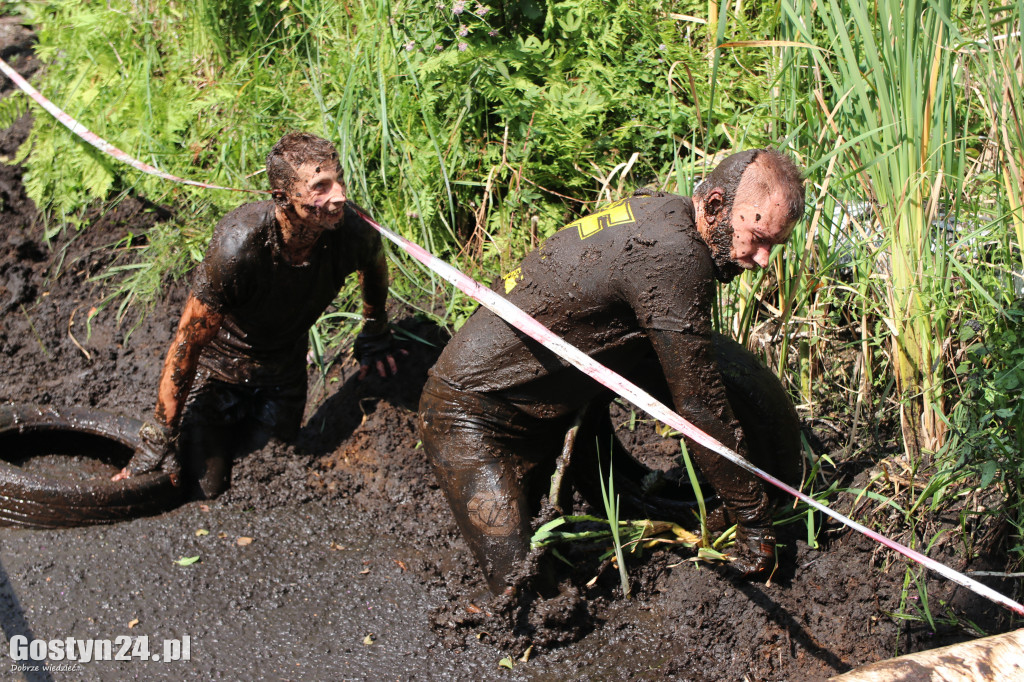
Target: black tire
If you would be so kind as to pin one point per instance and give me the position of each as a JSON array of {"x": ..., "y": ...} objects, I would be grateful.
[
  {"x": 760, "y": 403},
  {"x": 35, "y": 500}
]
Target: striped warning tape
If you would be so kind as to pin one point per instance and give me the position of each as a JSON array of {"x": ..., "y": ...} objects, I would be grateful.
[{"x": 519, "y": 319}]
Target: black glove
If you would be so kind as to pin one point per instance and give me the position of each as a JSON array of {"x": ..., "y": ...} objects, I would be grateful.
[
  {"x": 370, "y": 349},
  {"x": 755, "y": 551},
  {"x": 157, "y": 450}
]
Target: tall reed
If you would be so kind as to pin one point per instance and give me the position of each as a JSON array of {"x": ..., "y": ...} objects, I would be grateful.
[
  {"x": 886, "y": 74},
  {"x": 996, "y": 66}
]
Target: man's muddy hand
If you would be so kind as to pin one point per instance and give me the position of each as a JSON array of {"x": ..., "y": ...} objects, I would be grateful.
[
  {"x": 755, "y": 552},
  {"x": 157, "y": 451},
  {"x": 376, "y": 351}
]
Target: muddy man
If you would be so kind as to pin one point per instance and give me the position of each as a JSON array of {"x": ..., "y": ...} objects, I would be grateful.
[
  {"x": 239, "y": 355},
  {"x": 630, "y": 283}
]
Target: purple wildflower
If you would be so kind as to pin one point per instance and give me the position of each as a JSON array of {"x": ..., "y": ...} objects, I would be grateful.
[
  {"x": 463, "y": 47},
  {"x": 481, "y": 10},
  {"x": 410, "y": 46},
  {"x": 463, "y": 30},
  {"x": 494, "y": 33},
  {"x": 459, "y": 7}
]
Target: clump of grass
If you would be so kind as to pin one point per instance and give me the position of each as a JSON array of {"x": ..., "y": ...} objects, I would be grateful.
[{"x": 611, "y": 507}]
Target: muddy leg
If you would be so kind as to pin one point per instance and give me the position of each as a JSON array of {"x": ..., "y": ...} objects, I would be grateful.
[
  {"x": 206, "y": 458},
  {"x": 486, "y": 468},
  {"x": 224, "y": 421},
  {"x": 213, "y": 424},
  {"x": 486, "y": 497},
  {"x": 279, "y": 409},
  {"x": 490, "y": 508}
]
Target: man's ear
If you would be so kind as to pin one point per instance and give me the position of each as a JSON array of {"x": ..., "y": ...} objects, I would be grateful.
[
  {"x": 713, "y": 203},
  {"x": 281, "y": 199}
]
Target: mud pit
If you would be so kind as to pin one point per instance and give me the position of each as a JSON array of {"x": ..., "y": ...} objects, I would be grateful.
[{"x": 355, "y": 569}]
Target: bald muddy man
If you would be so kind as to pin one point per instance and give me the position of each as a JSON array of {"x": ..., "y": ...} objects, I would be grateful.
[
  {"x": 633, "y": 281},
  {"x": 271, "y": 269}
]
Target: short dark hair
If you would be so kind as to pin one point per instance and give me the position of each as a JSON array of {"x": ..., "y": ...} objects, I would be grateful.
[
  {"x": 292, "y": 151},
  {"x": 777, "y": 172}
]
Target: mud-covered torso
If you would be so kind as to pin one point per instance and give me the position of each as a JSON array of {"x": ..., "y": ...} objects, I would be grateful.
[
  {"x": 603, "y": 283},
  {"x": 268, "y": 304}
]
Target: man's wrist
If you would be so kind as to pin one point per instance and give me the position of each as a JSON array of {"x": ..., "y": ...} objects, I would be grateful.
[
  {"x": 157, "y": 434},
  {"x": 374, "y": 326}
]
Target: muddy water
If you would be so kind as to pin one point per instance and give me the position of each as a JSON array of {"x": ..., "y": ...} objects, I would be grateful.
[
  {"x": 296, "y": 603},
  {"x": 70, "y": 468}
]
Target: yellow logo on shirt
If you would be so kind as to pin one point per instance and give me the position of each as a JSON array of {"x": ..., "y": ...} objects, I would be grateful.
[
  {"x": 619, "y": 213},
  {"x": 512, "y": 279}
]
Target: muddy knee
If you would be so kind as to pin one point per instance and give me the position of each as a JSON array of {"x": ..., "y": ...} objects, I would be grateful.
[
  {"x": 498, "y": 533},
  {"x": 206, "y": 460},
  {"x": 491, "y": 511}
]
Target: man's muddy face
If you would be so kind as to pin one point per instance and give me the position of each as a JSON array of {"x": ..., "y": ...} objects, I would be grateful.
[
  {"x": 757, "y": 226},
  {"x": 318, "y": 195}
]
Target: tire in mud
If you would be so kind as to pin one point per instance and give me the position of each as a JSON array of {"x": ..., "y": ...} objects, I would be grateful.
[
  {"x": 761, "y": 405},
  {"x": 38, "y": 500}
]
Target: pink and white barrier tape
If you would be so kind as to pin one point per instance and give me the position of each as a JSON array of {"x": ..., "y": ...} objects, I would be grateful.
[
  {"x": 516, "y": 317},
  {"x": 531, "y": 327},
  {"x": 97, "y": 141}
]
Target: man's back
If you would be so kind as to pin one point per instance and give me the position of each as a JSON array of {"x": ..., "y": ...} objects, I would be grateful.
[{"x": 600, "y": 283}]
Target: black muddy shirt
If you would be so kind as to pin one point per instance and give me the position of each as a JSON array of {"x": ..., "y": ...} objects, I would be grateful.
[
  {"x": 613, "y": 284},
  {"x": 269, "y": 304}
]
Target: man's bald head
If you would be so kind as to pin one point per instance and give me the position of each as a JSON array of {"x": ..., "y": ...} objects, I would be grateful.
[
  {"x": 753, "y": 178},
  {"x": 771, "y": 170}
]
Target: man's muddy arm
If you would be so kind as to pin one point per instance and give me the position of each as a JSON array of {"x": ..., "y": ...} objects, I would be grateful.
[
  {"x": 373, "y": 346},
  {"x": 373, "y": 280},
  {"x": 198, "y": 327},
  {"x": 695, "y": 380}
]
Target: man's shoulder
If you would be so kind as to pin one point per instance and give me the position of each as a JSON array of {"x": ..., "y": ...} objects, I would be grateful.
[
  {"x": 666, "y": 226},
  {"x": 356, "y": 235},
  {"x": 667, "y": 208},
  {"x": 244, "y": 231}
]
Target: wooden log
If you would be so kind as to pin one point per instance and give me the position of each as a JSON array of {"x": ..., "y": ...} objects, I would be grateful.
[{"x": 999, "y": 658}]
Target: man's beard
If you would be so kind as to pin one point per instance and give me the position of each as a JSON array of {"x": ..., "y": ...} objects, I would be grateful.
[{"x": 720, "y": 243}]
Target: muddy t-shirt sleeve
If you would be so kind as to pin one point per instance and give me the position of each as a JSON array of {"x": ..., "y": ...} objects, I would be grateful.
[{"x": 224, "y": 280}]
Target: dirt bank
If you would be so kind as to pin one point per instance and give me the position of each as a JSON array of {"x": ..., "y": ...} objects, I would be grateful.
[{"x": 355, "y": 569}]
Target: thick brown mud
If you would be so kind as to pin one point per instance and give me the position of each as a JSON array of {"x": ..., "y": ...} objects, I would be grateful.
[{"x": 355, "y": 568}]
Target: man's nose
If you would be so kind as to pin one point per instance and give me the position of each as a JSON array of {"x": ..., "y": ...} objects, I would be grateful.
[
  {"x": 762, "y": 255},
  {"x": 338, "y": 194}
]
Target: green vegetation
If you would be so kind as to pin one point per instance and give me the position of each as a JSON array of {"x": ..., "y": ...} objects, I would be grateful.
[{"x": 479, "y": 129}]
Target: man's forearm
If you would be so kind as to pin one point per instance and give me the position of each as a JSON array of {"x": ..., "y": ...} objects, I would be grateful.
[
  {"x": 695, "y": 380},
  {"x": 198, "y": 327},
  {"x": 374, "y": 284}
]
